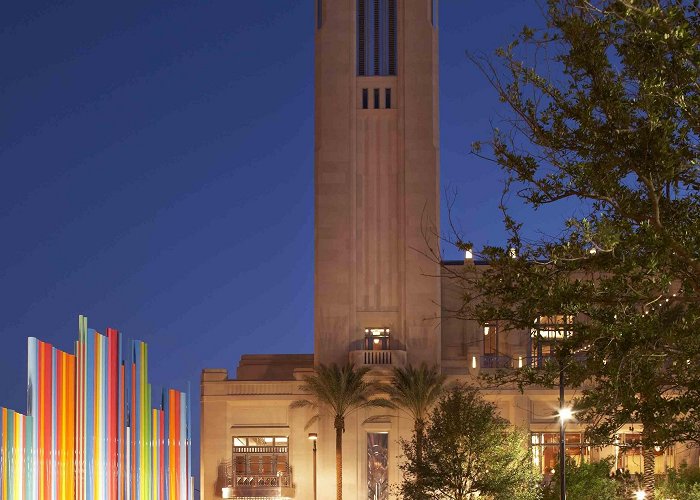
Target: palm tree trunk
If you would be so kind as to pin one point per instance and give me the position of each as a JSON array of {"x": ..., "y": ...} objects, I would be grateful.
[
  {"x": 339, "y": 428},
  {"x": 649, "y": 460},
  {"x": 418, "y": 429}
]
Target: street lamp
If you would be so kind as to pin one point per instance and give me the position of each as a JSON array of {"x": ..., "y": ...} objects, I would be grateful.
[
  {"x": 314, "y": 437},
  {"x": 565, "y": 413}
]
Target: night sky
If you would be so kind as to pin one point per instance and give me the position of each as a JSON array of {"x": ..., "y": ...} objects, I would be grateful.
[{"x": 157, "y": 173}]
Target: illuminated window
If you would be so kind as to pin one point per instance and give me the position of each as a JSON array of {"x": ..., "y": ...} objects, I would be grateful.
[
  {"x": 545, "y": 450},
  {"x": 376, "y": 37},
  {"x": 492, "y": 357},
  {"x": 548, "y": 330},
  {"x": 377, "y": 339},
  {"x": 261, "y": 460},
  {"x": 630, "y": 455},
  {"x": 490, "y": 338},
  {"x": 377, "y": 466}
]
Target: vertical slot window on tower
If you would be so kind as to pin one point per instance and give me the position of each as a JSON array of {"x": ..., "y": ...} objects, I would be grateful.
[
  {"x": 376, "y": 98},
  {"x": 319, "y": 14},
  {"x": 387, "y": 98},
  {"x": 433, "y": 12},
  {"x": 376, "y": 37},
  {"x": 365, "y": 99}
]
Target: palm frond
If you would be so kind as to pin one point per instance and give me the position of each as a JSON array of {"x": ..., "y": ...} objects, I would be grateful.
[
  {"x": 415, "y": 390},
  {"x": 312, "y": 421},
  {"x": 342, "y": 388},
  {"x": 380, "y": 403},
  {"x": 302, "y": 403}
]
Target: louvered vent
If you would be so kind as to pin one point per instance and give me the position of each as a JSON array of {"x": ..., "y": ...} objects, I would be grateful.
[
  {"x": 392, "y": 37},
  {"x": 376, "y": 37},
  {"x": 361, "y": 45}
]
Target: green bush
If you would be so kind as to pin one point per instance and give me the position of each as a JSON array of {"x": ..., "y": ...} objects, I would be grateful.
[
  {"x": 587, "y": 481},
  {"x": 592, "y": 481},
  {"x": 681, "y": 484}
]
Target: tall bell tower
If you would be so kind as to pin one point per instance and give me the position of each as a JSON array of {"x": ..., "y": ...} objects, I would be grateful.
[{"x": 376, "y": 180}]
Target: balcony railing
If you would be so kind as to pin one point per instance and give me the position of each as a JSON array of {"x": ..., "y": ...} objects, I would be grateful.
[
  {"x": 504, "y": 362},
  {"x": 496, "y": 361},
  {"x": 259, "y": 486},
  {"x": 263, "y": 481},
  {"x": 235, "y": 485},
  {"x": 389, "y": 358},
  {"x": 541, "y": 361}
]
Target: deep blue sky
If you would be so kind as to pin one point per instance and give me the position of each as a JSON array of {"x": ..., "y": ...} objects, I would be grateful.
[{"x": 157, "y": 172}]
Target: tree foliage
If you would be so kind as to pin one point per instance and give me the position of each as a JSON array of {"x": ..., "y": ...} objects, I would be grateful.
[
  {"x": 468, "y": 450},
  {"x": 604, "y": 115}
]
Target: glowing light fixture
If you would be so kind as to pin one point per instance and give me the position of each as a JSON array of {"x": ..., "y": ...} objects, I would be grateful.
[
  {"x": 468, "y": 255},
  {"x": 640, "y": 495},
  {"x": 473, "y": 361},
  {"x": 565, "y": 414},
  {"x": 313, "y": 436}
]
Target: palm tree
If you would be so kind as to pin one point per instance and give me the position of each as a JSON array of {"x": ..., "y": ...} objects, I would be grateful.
[
  {"x": 415, "y": 390},
  {"x": 344, "y": 390}
]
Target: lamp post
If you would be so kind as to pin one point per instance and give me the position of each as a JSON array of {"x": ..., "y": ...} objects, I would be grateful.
[
  {"x": 565, "y": 414},
  {"x": 314, "y": 437}
]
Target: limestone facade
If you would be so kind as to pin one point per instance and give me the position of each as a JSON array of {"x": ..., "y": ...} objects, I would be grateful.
[{"x": 379, "y": 299}]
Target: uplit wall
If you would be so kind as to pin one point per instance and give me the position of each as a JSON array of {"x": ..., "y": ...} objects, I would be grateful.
[{"x": 91, "y": 429}]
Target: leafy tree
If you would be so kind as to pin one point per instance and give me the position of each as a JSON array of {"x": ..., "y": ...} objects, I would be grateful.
[
  {"x": 468, "y": 450},
  {"x": 604, "y": 116},
  {"x": 585, "y": 481},
  {"x": 343, "y": 390}
]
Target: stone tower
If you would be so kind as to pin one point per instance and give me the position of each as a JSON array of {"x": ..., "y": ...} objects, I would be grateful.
[{"x": 376, "y": 181}]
